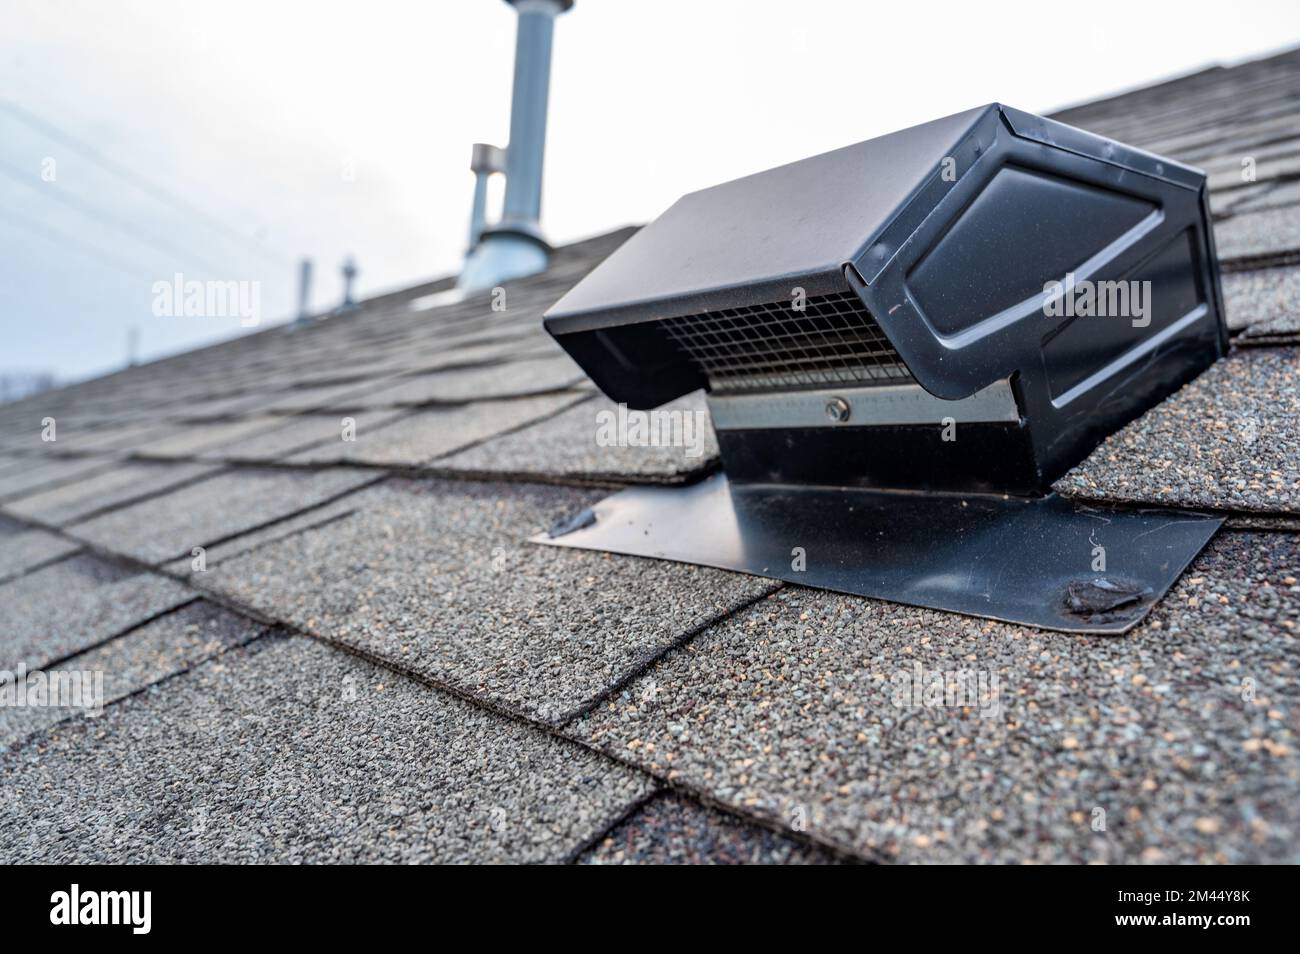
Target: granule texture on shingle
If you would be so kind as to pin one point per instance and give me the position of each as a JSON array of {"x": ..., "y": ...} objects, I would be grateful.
[
  {"x": 1277, "y": 168},
  {"x": 298, "y": 433},
  {"x": 1262, "y": 336},
  {"x": 123, "y": 482},
  {"x": 231, "y": 502},
  {"x": 511, "y": 379},
  {"x": 112, "y": 439},
  {"x": 192, "y": 438},
  {"x": 23, "y": 548},
  {"x": 439, "y": 578},
  {"x": 74, "y": 434},
  {"x": 1264, "y": 296},
  {"x": 571, "y": 445},
  {"x": 1263, "y": 301},
  {"x": 1225, "y": 441},
  {"x": 324, "y": 397},
  {"x": 232, "y": 405},
  {"x": 420, "y": 436},
  {"x": 818, "y": 710},
  {"x": 509, "y": 345},
  {"x": 671, "y": 829},
  {"x": 170, "y": 644},
  {"x": 69, "y": 606},
  {"x": 287, "y": 750},
  {"x": 1258, "y": 234},
  {"x": 213, "y": 556},
  {"x": 1271, "y": 195},
  {"x": 35, "y": 474}
]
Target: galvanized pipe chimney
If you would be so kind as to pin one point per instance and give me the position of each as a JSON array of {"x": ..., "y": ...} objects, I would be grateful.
[
  {"x": 531, "y": 92},
  {"x": 304, "y": 291},
  {"x": 515, "y": 246}
]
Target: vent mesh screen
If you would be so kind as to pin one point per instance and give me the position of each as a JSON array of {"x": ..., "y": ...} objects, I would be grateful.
[{"x": 833, "y": 341}]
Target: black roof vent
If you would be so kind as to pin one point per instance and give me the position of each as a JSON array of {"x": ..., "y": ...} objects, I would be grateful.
[{"x": 967, "y": 306}]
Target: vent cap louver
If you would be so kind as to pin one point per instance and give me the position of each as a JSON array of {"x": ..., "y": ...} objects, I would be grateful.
[{"x": 822, "y": 341}]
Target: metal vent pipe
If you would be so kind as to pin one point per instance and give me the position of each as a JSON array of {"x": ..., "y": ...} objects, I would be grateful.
[{"x": 515, "y": 246}]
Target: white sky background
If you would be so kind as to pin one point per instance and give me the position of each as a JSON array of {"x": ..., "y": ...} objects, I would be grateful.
[{"x": 252, "y": 111}]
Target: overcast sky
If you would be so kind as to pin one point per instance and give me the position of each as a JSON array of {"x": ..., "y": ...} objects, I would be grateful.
[{"x": 226, "y": 139}]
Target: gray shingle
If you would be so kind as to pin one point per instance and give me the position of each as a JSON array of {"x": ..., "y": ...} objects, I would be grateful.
[
  {"x": 673, "y": 830},
  {"x": 1183, "y": 733},
  {"x": 513, "y": 379},
  {"x": 299, "y": 433},
  {"x": 168, "y": 526},
  {"x": 287, "y": 750},
  {"x": 1270, "y": 166},
  {"x": 69, "y": 606},
  {"x": 1258, "y": 234},
  {"x": 31, "y": 475},
  {"x": 421, "y": 436},
  {"x": 321, "y": 398},
  {"x": 169, "y": 644},
  {"x": 112, "y": 439},
  {"x": 229, "y": 405},
  {"x": 1225, "y": 441},
  {"x": 440, "y": 579},
  {"x": 123, "y": 482},
  {"x": 189, "y": 440},
  {"x": 566, "y": 447},
  {"x": 22, "y": 548},
  {"x": 1265, "y": 301},
  {"x": 1273, "y": 195},
  {"x": 308, "y": 519}
]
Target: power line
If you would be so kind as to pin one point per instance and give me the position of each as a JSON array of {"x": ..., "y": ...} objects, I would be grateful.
[
  {"x": 112, "y": 221},
  {"x": 68, "y": 241},
  {"x": 140, "y": 182}
]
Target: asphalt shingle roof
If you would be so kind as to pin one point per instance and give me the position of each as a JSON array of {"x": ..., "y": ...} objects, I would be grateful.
[
  {"x": 788, "y": 710},
  {"x": 118, "y": 484},
  {"x": 26, "y": 548},
  {"x": 171, "y": 643},
  {"x": 286, "y": 750},
  {"x": 565, "y": 448},
  {"x": 1226, "y": 441},
  {"x": 224, "y": 505},
  {"x": 423, "y": 436},
  {"x": 64, "y": 608},
  {"x": 671, "y": 829},
  {"x": 368, "y": 661},
  {"x": 469, "y": 603}
]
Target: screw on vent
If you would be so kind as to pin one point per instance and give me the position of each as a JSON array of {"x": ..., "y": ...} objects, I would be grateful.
[{"x": 838, "y": 410}]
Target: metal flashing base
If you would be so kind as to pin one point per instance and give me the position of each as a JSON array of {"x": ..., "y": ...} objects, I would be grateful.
[{"x": 1041, "y": 561}]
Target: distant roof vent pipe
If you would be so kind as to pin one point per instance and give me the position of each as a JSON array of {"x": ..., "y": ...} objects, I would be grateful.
[
  {"x": 349, "y": 271},
  {"x": 515, "y": 247},
  {"x": 304, "y": 292}
]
